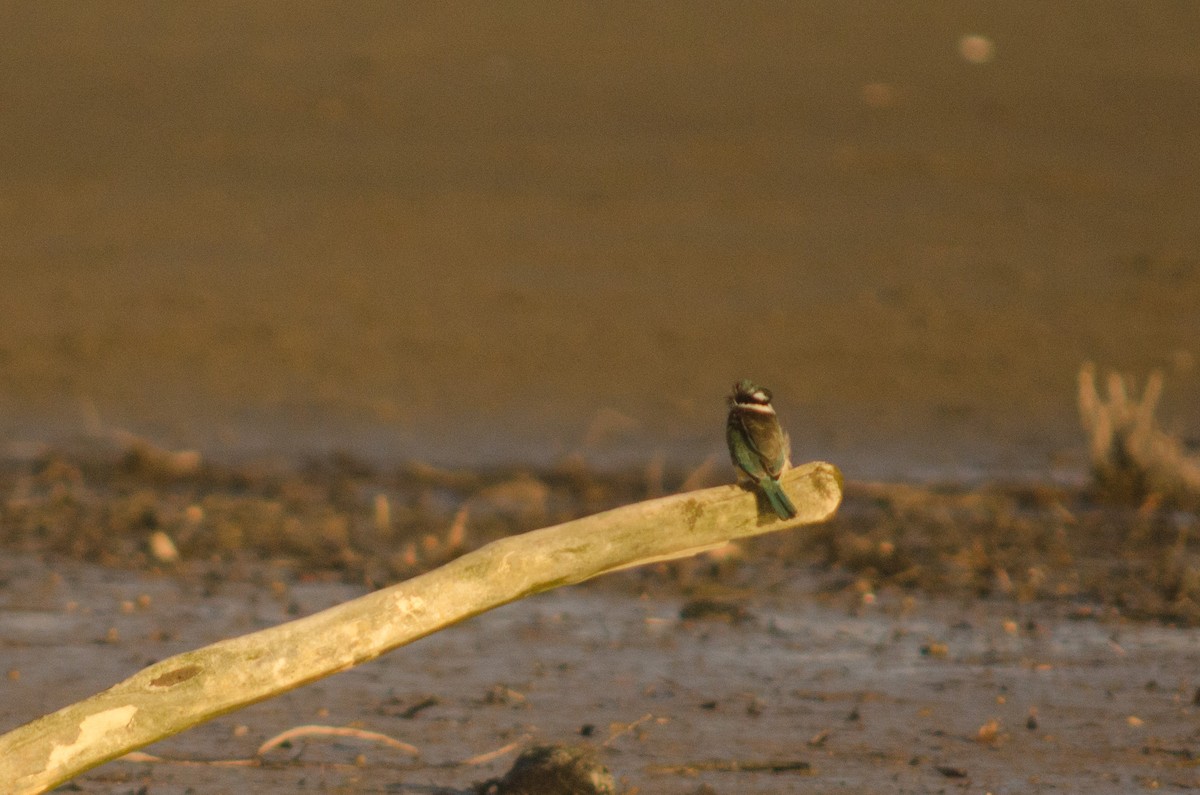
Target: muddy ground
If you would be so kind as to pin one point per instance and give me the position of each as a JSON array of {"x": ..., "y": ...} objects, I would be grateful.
[{"x": 1009, "y": 638}]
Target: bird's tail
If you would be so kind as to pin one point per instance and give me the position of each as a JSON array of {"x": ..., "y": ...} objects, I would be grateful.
[{"x": 780, "y": 503}]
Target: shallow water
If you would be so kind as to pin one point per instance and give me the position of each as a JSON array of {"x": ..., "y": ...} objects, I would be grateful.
[{"x": 471, "y": 237}]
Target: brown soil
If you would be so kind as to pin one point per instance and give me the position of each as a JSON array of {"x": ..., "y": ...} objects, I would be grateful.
[{"x": 343, "y": 519}]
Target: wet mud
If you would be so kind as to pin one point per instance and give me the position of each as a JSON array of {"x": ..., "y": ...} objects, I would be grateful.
[{"x": 1008, "y": 638}]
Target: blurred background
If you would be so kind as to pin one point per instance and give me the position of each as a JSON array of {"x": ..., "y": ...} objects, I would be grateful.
[{"x": 478, "y": 233}]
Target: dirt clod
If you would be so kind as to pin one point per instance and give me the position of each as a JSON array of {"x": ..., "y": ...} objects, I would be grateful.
[{"x": 554, "y": 770}]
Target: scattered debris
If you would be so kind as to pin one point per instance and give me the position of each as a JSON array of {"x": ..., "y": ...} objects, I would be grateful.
[
  {"x": 989, "y": 732},
  {"x": 162, "y": 548},
  {"x": 285, "y": 739},
  {"x": 419, "y": 707},
  {"x": 500, "y": 695},
  {"x": 714, "y": 610},
  {"x": 618, "y": 730},
  {"x": 888, "y": 542},
  {"x": 282, "y": 740},
  {"x": 553, "y": 770},
  {"x": 738, "y": 766}
]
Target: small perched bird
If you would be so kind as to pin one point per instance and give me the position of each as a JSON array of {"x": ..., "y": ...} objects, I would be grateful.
[{"x": 758, "y": 445}]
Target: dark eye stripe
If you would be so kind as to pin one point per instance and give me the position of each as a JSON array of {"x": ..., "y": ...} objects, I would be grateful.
[{"x": 757, "y": 395}]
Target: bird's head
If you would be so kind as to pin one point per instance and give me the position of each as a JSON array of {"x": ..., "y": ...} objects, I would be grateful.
[{"x": 747, "y": 393}]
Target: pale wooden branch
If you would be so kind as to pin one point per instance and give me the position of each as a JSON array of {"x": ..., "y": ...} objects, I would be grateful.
[
  {"x": 1131, "y": 456},
  {"x": 190, "y": 688}
]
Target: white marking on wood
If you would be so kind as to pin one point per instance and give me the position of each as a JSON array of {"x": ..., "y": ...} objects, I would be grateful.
[{"x": 91, "y": 729}]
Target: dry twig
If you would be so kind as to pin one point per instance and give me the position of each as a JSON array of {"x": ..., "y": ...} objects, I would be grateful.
[{"x": 335, "y": 731}]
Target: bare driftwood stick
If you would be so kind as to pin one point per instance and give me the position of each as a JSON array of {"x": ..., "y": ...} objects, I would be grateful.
[
  {"x": 1131, "y": 456},
  {"x": 190, "y": 688}
]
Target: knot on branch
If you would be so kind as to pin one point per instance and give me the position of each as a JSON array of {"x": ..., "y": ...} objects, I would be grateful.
[{"x": 1132, "y": 458}]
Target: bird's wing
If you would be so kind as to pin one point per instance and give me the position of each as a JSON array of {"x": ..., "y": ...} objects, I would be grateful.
[
  {"x": 742, "y": 449},
  {"x": 767, "y": 439}
]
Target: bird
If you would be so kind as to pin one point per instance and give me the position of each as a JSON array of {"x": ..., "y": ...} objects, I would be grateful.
[{"x": 759, "y": 447}]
